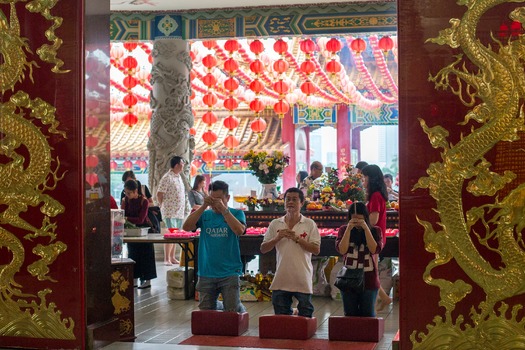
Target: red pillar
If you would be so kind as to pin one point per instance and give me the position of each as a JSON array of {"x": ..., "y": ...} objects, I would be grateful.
[
  {"x": 344, "y": 148},
  {"x": 288, "y": 137}
]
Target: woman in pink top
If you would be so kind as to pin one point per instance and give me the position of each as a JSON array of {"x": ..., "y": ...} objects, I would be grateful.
[{"x": 377, "y": 195}]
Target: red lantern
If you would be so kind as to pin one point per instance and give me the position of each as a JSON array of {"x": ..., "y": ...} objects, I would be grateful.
[
  {"x": 230, "y": 103},
  {"x": 333, "y": 45},
  {"x": 209, "y": 44},
  {"x": 130, "y": 119},
  {"x": 91, "y": 121},
  {"x": 209, "y": 118},
  {"x": 130, "y": 99},
  {"x": 209, "y": 99},
  {"x": 308, "y": 88},
  {"x": 231, "y": 65},
  {"x": 257, "y": 67},
  {"x": 130, "y": 45},
  {"x": 231, "y": 122},
  {"x": 280, "y": 66},
  {"x": 209, "y": 80},
  {"x": 141, "y": 164},
  {"x": 130, "y": 62},
  {"x": 256, "y": 86},
  {"x": 386, "y": 44},
  {"x": 281, "y": 87},
  {"x": 193, "y": 169},
  {"x": 228, "y": 163},
  {"x": 243, "y": 164},
  {"x": 113, "y": 165},
  {"x": 231, "y": 84},
  {"x": 127, "y": 164},
  {"x": 231, "y": 141},
  {"x": 231, "y": 45},
  {"x": 307, "y": 46},
  {"x": 333, "y": 67},
  {"x": 91, "y": 161},
  {"x": 91, "y": 141},
  {"x": 193, "y": 132},
  {"x": 209, "y": 137},
  {"x": 256, "y": 105},
  {"x": 358, "y": 45},
  {"x": 258, "y": 125},
  {"x": 209, "y": 156},
  {"x": 130, "y": 82},
  {"x": 307, "y": 67},
  {"x": 256, "y": 47},
  {"x": 282, "y": 107},
  {"x": 91, "y": 179},
  {"x": 209, "y": 61},
  {"x": 280, "y": 46}
]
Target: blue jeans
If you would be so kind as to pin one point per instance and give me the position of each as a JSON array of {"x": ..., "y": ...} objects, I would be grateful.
[
  {"x": 209, "y": 289},
  {"x": 360, "y": 304},
  {"x": 282, "y": 303}
]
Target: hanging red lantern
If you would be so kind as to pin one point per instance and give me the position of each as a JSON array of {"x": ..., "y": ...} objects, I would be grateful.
[
  {"x": 231, "y": 122},
  {"x": 209, "y": 118},
  {"x": 130, "y": 119},
  {"x": 209, "y": 137},
  {"x": 256, "y": 86},
  {"x": 130, "y": 99},
  {"x": 333, "y": 45},
  {"x": 228, "y": 163},
  {"x": 308, "y": 88},
  {"x": 307, "y": 46},
  {"x": 281, "y": 107},
  {"x": 307, "y": 67},
  {"x": 358, "y": 45},
  {"x": 141, "y": 164},
  {"x": 256, "y": 105},
  {"x": 231, "y": 65},
  {"x": 280, "y": 66},
  {"x": 209, "y": 61},
  {"x": 281, "y": 87},
  {"x": 258, "y": 125},
  {"x": 193, "y": 132},
  {"x": 209, "y": 99},
  {"x": 113, "y": 165},
  {"x": 193, "y": 169},
  {"x": 231, "y": 142},
  {"x": 91, "y": 161},
  {"x": 256, "y": 47},
  {"x": 91, "y": 141},
  {"x": 280, "y": 46},
  {"x": 128, "y": 164},
  {"x": 386, "y": 44},
  {"x": 243, "y": 164},
  {"x": 333, "y": 67},
  {"x": 130, "y": 82},
  {"x": 130, "y": 45},
  {"x": 91, "y": 121},
  {"x": 231, "y": 45},
  {"x": 130, "y": 62},
  {"x": 91, "y": 179},
  {"x": 257, "y": 67},
  {"x": 231, "y": 84},
  {"x": 209, "y": 156},
  {"x": 209, "y": 44},
  {"x": 230, "y": 103},
  {"x": 209, "y": 80}
]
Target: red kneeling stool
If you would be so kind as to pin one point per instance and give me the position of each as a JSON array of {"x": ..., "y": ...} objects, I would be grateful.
[
  {"x": 213, "y": 322},
  {"x": 350, "y": 328},
  {"x": 287, "y": 327}
]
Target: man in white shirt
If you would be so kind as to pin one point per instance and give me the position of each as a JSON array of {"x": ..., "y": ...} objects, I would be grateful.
[
  {"x": 171, "y": 196},
  {"x": 295, "y": 238}
]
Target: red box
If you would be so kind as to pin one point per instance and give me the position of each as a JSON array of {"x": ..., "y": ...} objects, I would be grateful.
[
  {"x": 349, "y": 328},
  {"x": 213, "y": 322},
  {"x": 287, "y": 327}
]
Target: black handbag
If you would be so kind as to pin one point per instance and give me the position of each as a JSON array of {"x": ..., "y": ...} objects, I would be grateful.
[{"x": 350, "y": 280}]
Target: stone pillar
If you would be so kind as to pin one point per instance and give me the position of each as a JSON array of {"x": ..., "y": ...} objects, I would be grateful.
[{"x": 172, "y": 116}]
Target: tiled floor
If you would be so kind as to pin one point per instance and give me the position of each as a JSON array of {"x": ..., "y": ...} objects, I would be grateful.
[{"x": 159, "y": 320}]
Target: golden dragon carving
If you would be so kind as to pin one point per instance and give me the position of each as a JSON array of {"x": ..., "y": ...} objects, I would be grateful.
[
  {"x": 494, "y": 93},
  {"x": 29, "y": 173}
]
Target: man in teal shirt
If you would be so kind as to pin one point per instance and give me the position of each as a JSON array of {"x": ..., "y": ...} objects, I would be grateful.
[{"x": 219, "y": 257}]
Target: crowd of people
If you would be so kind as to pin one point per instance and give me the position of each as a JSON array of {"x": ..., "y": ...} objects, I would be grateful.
[{"x": 294, "y": 237}]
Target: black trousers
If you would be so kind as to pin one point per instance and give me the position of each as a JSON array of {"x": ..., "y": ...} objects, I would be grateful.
[{"x": 144, "y": 256}]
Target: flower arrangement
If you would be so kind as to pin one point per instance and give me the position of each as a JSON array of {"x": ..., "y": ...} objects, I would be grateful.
[
  {"x": 350, "y": 187},
  {"x": 268, "y": 167},
  {"x": 251, "y": 202}
]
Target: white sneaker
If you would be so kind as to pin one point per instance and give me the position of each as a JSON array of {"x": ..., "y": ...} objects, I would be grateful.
[{"x": 145, "y": 284}]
